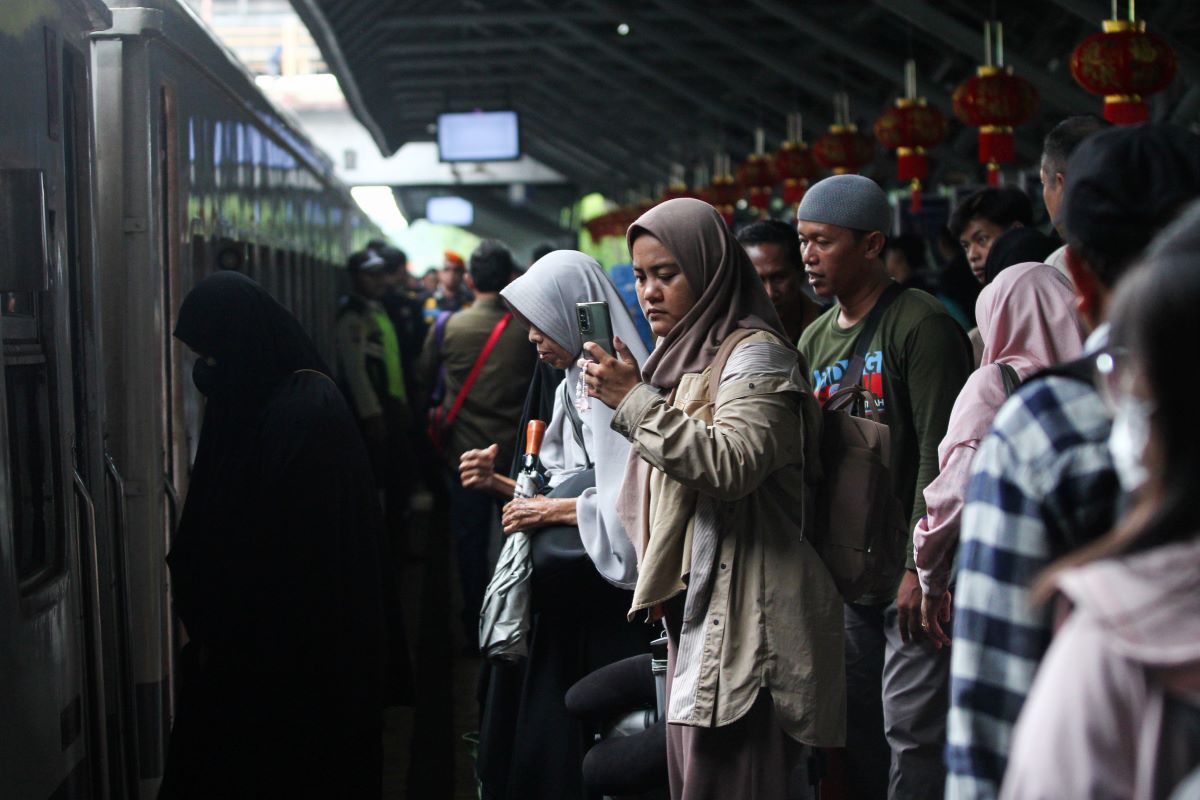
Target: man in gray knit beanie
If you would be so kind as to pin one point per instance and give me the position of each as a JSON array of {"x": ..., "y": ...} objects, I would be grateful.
[{"x": 915, "y": 359}]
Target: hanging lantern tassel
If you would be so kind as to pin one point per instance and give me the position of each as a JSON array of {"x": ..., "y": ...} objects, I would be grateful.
[
  {"x": 997, "y": 146},
  {"x": 912, "y": 165}
]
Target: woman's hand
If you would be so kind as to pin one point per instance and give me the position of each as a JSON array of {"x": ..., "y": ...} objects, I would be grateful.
[
  {"x": 527, "y": 513},
  {"x": 609, "y": 379},
  {"x": 477, "y": 468},
  {"x": 935, "y": 613}
]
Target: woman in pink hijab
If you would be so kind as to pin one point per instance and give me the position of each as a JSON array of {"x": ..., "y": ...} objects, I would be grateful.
[{"x": 1027, "y": 321}]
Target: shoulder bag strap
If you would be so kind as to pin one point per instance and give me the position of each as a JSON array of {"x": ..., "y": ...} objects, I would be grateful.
[
  {"x": 854, "y": 370},
  {"x": 722, "y": 358},
  {"x": 479, "y": 362}
]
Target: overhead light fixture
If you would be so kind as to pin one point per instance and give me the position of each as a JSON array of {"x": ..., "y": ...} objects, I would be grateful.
[{"x": 623, "y": 29}]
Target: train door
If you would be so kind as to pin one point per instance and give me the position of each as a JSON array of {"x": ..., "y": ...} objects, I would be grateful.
[
  {"x": 53, "y": 735},
  {"x": 99, "y": 610}
]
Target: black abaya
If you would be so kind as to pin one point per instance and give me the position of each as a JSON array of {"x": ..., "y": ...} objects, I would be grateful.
[{"x": 275, "y": 569}]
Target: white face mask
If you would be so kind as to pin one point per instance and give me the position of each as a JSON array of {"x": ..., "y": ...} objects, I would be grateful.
[{"x": 1127, "y": 442}]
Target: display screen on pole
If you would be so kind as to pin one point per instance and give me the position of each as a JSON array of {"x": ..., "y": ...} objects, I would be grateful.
[
  {"x": 479, "y": 136},
  {"x": 449, "y": 210}
]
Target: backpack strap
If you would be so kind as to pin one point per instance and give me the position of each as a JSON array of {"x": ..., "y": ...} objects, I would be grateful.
[
  {"x": 858, "y": 359},
  {"x": 1012, "y": 381},
  {"x": 475, "y": 370},
  {"x": 722, "y": 357},
  {"x": 1081, "y": 369}
]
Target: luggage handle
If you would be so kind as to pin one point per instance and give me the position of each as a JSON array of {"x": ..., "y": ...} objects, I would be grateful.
[{"x": 853, "y": 394}]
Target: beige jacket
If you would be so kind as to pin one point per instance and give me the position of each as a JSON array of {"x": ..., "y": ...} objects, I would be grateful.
[{"x": 761, "y": 610}]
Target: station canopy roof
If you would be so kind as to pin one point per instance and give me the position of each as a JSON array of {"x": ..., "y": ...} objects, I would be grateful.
[{"x": 611, "y": 93}]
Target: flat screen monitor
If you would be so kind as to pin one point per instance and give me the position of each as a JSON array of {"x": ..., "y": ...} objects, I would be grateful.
[
  {"x": 479, "y": 136},
  {"x": 449, "y": 210}
]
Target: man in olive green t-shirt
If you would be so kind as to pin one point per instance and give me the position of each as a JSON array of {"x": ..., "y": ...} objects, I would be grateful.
[{"x": 915, "y": 364}]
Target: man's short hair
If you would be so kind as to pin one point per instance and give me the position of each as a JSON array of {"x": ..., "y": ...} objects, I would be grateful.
[
  {"x": 998, "y": 205},
  {"x": 1064, "y": 137},
  {"x": 491, "y": 266},
  {"x": 1124, "y": 185},
  {"x": 772, "y": 231}
]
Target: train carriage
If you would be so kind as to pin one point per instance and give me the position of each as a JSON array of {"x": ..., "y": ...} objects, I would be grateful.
[{"x": 136, "y": 156}]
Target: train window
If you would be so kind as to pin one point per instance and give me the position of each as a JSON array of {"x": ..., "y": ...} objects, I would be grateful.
[{"x": 31, "y": 471}]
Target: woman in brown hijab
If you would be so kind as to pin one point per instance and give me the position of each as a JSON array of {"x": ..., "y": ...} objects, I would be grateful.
[{"x": 715, "y": 497}]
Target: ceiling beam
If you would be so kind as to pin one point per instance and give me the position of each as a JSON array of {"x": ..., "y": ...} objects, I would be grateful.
[
  {"x": 561, "y": 132},
  {"x": 444, "y": 47},
  {"x": 945, "y": 29},
  {"x": 699, "y": 60},
  {"x": 647, "y": 155},
  {"x": 793, "y": 71},
  {"x": 401, "y": 65},
  {"x": 881, "y": 66},
  {"x": 681, "y": 88},
  {"x": 406, "y": 22},
  {"x": 567, "y": 163}
]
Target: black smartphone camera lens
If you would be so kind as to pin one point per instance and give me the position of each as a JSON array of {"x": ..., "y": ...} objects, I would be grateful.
[{"x": 584, "y": 321}]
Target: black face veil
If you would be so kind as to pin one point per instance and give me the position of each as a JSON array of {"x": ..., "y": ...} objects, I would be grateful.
[{"x": 254, "y": 340}]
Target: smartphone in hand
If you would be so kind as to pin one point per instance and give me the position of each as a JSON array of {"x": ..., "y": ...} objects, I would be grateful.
[{"x": 595, "y": 325}]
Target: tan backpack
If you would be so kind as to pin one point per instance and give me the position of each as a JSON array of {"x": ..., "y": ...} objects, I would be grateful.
[{"x": 859, "y": 531}]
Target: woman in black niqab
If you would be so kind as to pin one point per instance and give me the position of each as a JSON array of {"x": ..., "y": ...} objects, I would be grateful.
[{"x": 275, "y": 567}]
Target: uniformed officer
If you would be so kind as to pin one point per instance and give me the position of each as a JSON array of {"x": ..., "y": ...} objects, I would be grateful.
[
  {"x": 371, "y": 373},
  {"x": 451, "y": 293}
]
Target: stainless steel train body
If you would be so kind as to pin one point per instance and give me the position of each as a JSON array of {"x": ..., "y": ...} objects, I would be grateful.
[{"x": 136, "y": 156}]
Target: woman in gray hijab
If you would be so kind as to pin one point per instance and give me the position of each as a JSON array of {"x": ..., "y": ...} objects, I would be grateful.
[{"x": 584, "y": 565}]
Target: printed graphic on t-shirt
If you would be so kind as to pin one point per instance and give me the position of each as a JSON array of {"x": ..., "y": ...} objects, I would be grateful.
[{"x": 827, "y": 380}]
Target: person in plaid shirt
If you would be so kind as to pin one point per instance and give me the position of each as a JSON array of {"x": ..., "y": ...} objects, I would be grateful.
[{"x": 1043, "y": 481}]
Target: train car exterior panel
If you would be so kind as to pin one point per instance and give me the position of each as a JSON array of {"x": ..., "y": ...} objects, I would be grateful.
[{"x": 53, "y": 731}]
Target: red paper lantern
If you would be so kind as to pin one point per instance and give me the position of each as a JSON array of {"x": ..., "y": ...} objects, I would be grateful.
[
  {"x": 723, "y": 194},
  {"x": 994, "y": 100},
  {"x": 843, "y": 149},
  {"x": 907, "y": 128},
  {"x": 757, "y": 173},
  {"x": 1123, "y": 63},
  {"x": 795, "y": 167}
]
